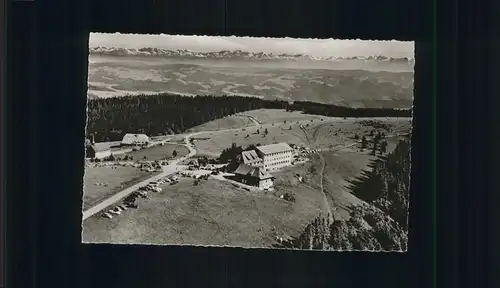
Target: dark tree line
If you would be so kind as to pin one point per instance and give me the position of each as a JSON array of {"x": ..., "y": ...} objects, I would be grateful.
[
  {"x": 385, "y": 188},
  {"x": 340, "y": 111},
  {"x": 111, "y": 118}
]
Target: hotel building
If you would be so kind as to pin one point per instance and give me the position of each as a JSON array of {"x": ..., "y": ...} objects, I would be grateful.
[{"x": 270, "y": 157}]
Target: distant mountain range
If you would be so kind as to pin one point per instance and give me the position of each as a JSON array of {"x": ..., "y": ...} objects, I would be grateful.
[{"x": 236, "y": 54}]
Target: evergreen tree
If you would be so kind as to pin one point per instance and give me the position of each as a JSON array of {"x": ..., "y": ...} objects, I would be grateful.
[
  {"x": 364, "y": 143},
  {"x": 383, "y": 147},
  {"x": 374, "y": 148},
  {"x": 174, "y": 153}
]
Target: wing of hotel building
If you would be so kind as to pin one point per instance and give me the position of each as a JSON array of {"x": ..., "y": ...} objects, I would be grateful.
[{"x": 251, "y": 158}]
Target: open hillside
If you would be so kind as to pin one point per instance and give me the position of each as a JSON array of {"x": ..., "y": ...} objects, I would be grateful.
[
  {"x": 380, "y": 222},
  {"x": 108, "y": 119},
  {"x": 347, "y": 83},
  {"x": 216, "y": 212},
  {"x": 313, "y": 131}
]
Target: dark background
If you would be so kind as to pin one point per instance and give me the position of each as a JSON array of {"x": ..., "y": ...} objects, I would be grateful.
[{"x": 45, "y": 120}]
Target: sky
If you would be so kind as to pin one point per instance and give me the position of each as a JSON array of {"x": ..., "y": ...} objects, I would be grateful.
[{"x": 313, "y": 47}]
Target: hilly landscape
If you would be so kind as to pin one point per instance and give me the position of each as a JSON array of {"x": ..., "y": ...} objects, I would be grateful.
[{"x": 358, "y": 82}]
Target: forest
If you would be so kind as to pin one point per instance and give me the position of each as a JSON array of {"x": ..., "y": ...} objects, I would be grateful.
[
  {"x": 380, "y": 224},
  {"x": 339, "y": 111},
  {"x": 108, "y": 119}
]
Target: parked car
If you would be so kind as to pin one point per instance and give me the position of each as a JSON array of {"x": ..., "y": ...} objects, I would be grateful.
[
  {"x": 131, "y": 198},
  {"x": 132, "y": 205},
  {"x": 107, "y": 215},
  {"x": 114, "y": 212},
  {"x": 143, "y": 194}
]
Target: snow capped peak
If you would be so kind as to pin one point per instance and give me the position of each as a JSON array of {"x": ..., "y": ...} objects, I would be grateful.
[{"x": 227, "y": 54}]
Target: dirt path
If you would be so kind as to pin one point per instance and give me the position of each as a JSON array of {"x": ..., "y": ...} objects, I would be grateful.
[
  {"x": 316, "y": 130},
  {"x": 327, "y": 203},
  {"x": 255, "y": 121},
  {"x": 328, "y": 200},
  {"x": 305, "y": 133}
]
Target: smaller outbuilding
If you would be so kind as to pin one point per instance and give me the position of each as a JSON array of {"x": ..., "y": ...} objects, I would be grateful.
[{"x": 135, "y": 140}]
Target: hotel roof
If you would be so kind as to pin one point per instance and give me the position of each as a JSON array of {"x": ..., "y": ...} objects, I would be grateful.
[
  {"x": 274, "y": 148},
  {"x": 257, "y": 172}
]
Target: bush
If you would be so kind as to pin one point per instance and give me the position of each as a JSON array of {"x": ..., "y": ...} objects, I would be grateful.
[{"x": 288, "y": 196}]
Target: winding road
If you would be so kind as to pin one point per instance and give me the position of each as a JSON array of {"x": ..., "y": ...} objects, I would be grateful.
[
  {"x": 173, "y": 167},
  {"x": 168, "y": 170}
]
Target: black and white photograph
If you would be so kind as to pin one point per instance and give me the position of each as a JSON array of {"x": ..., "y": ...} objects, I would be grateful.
[{"x": 276, "y": 143}]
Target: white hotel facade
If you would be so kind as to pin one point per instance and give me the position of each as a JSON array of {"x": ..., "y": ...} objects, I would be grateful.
[{"x": 271, "y": 157}]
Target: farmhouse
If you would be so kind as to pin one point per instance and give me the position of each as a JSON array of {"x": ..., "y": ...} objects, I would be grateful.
[
  {"x": 275, "y": 156},
  {"x": 96, "y": 151},
  {"x": 135, "y": 140},
  {"x": 254, "y": 176}
]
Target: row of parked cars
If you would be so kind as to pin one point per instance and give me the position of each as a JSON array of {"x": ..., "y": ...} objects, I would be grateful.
[{"x": 142, "y": 192}]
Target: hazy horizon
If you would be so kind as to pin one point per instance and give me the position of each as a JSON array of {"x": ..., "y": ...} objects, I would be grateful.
[{"x": 312, "y": 47}]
